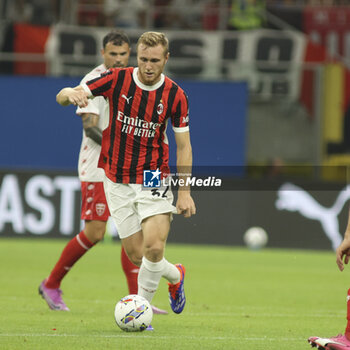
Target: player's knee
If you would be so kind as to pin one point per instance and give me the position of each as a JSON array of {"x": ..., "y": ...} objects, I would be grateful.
[{"x": 154, "y": 252}]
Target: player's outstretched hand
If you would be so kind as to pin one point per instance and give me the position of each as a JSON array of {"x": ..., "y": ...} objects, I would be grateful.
[
  {"x": 75, "y": 96},
  {"x": 78, "y": 98},
  {"x": 185, "y": 204},
  {"x": 343, "y": 253}
]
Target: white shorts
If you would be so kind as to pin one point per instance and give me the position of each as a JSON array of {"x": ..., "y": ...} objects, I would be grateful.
[{"x": 130, "y": 204}]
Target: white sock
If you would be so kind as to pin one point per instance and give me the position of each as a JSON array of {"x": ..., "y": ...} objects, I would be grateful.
[
  {"x": 171, "y": 272},
  {"x": 149, "y": 276}
]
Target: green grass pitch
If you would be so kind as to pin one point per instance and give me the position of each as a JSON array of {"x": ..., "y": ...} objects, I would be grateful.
[{"x": 236, "y": 299}]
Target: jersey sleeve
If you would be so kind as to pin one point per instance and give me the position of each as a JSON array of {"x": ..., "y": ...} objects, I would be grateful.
[
  {"x": 101, "y": 86},
  {"x": 92, "y": 107},
  {"x": 180, "y": 114}
]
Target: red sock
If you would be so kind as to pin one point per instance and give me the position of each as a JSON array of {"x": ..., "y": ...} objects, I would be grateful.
[
  {"x": 347, "y": 330},
  {"x": 131, "y": 272},
  {"x": 72, "y": 252}
]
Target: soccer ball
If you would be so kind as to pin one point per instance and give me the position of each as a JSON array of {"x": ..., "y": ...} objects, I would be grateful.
[
  {"x": 255, "y": 238},
  {"x": 133, "y": 313}
]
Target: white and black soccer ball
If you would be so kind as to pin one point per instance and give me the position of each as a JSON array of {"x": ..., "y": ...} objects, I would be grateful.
[
  {"x": 133, "y": 313},
  {"x": 255, "y": 238}
]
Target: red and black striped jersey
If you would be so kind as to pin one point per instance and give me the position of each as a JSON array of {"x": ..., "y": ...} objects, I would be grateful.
[{"x": 135, "y": 139}]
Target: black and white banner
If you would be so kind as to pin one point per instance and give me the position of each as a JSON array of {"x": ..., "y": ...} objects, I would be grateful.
[
  {"x": 39, "y": 204},
  {"x": 34, "y": 204},
  {"x": 269, "y": 60}
]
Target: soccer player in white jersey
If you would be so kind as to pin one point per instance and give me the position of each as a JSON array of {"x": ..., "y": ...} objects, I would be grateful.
[{"x": 95, "y": 212}]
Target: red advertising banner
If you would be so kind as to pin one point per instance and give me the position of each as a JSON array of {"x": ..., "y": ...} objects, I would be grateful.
[
  {"x": 30, "y": 39},
  {"x": 330, "y": 28}
]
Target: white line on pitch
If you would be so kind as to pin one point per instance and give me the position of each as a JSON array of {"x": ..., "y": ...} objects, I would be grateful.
[{"x": 123, "y": 335}]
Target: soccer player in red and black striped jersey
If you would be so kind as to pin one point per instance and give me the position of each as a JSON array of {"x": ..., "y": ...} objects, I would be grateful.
[
  {"x": 94, "y": 209},
  {"x": 142, "y": 101}
]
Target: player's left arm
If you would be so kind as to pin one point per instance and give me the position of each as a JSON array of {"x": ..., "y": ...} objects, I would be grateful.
[{"x": 185, "y": 204}]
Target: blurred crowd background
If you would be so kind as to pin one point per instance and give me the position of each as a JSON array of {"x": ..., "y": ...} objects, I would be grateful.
[{"x": 166, "y": 14}]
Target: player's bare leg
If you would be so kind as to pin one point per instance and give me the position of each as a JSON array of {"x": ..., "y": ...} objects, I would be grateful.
[
  {"x": 133, "y": 247},
  {"x": 95, "y": 230},
  {"x": 154, "y": 266}
]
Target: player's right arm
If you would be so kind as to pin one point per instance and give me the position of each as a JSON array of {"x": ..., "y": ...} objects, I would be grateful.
[
  {"x": 90, "y": 125},
  {"x": 76, "y": 96}
]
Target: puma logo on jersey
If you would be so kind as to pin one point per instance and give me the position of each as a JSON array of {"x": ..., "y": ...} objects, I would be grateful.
[{"x": 127, "y": 98}]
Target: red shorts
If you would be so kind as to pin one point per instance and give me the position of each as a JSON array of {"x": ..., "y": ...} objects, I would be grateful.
[{"x": 93, "y": 202}]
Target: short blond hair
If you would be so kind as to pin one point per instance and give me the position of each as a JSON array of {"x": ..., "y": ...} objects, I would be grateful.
[{"x": 152, "y": 39}]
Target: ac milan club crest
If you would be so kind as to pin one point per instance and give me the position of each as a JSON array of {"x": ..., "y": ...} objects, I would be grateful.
[
  {"x": 160, "y": 108},
  {"x": 100, "y": 208}
]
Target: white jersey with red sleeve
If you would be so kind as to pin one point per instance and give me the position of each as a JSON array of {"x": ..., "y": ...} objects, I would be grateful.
[{"x": 89, "y": 149}]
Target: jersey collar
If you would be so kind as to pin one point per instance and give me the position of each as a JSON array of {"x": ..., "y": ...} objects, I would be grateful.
[{"x": 147, "y": 87}]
